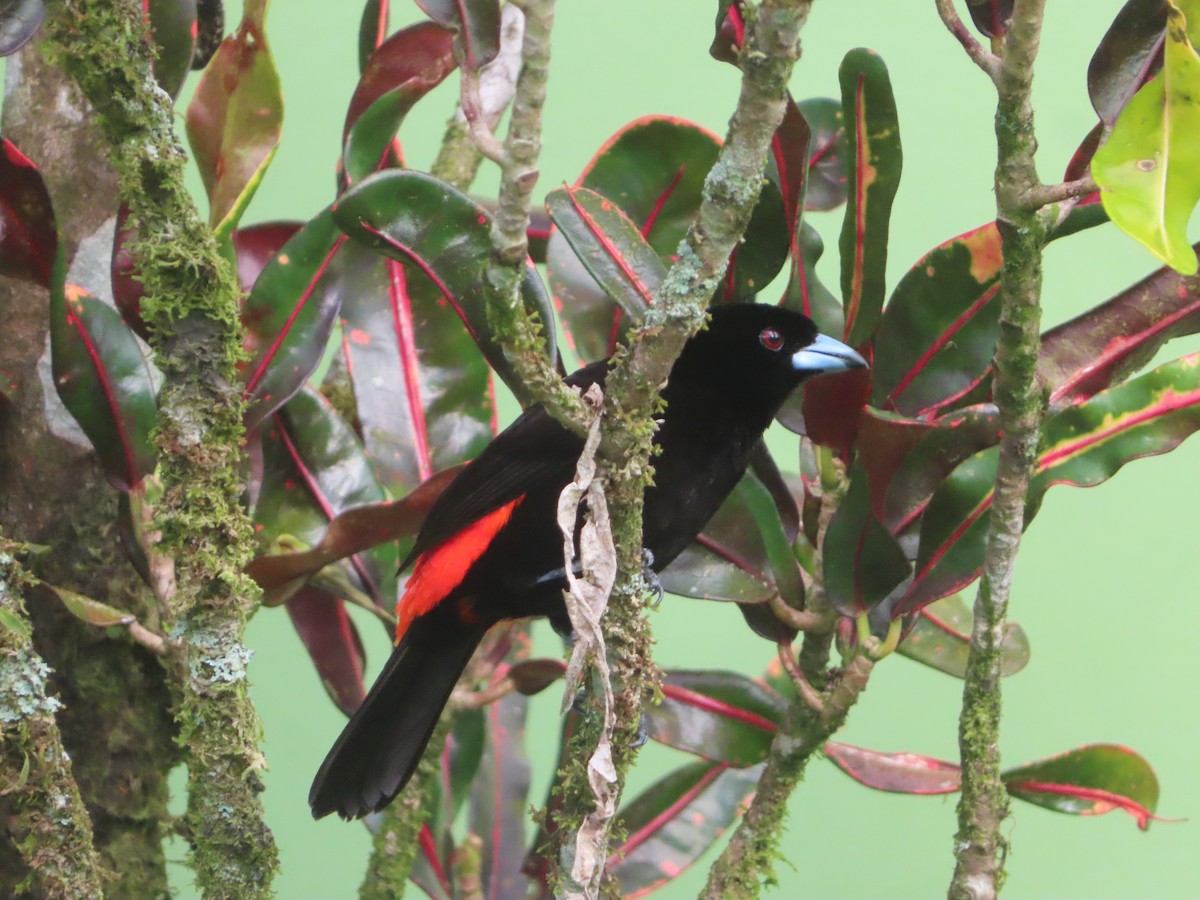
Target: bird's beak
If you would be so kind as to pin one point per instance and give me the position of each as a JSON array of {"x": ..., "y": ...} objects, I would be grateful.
[{"x": 826, "y": 355}]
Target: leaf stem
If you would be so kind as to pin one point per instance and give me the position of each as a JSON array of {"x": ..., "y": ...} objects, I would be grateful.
[{"x": 981, "y": 56}]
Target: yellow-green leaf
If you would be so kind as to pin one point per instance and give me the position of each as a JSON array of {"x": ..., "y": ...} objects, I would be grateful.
[
  {"x": 93, "y": 612},
  {"x": 1149, "y": 170}
]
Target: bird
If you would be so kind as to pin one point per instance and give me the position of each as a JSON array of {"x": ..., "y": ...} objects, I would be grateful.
[{"x": 490, "y": 548}]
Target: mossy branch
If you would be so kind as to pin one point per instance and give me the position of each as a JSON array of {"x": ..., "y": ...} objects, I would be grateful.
[
  {"x": 190, "y": 306},
  {"x": 51, "y": 826},
  {"x": 980, "y": 847}
]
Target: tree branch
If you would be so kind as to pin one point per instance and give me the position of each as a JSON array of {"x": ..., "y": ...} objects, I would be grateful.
[
  {"x": 51, "y": 826},
  {"x": 982, "y": 57},
  {"x": 1045, "y": 194},
  {"x": 980, "y": 847},
  {"x": 190, "y": 305}
]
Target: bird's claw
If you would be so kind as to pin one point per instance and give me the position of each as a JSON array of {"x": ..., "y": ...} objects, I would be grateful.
[{"x": 651, "y": 578}]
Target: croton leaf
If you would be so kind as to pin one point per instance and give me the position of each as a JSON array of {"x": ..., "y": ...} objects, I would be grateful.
[
  {"x": 787, "y": 165},
  {"x": 289, "y": 316},
  {"x": 828, "y": 181},
  {"x": 430, "y": 872},
  {"x": 103, "y": 378},
  {"x": 991, "y": 17},
  {"x": 235, "y": 119},
  {"x": 886, "y": 441},
  {"x": 19, "y": 21},
  {"x": 1129, "y": 55},
  {"x": 500, "y": 798},
  {"x": 1149, "y": 169},
  {"x": 938, "y": 334},
  {"x": 614, "y": 253},
  {"x": 1107, "y": 343},
  {"x": 670, "y": 824},
  {"x": 831, "y": 406},
  {"x": 406, "y": 67},
  {"x": 477, "y": 24},
  {"x": 173, "y": 30},
  {"x": 422, "y": 392},
  {"x": 722, "y": 716},
  {"x": 956, "y": 437},
  {"x": 1087, "y": 781},
  {"x": 127, "y": 289},
  {"x": 863, "y": 562},
  {"x": 333, "y": 643},
  {"x": 1082, "y": 445},
  {"x": 873, "y": 151},
  {"x": 730, "y": 32},
  {"x": 414, "y": 218},
  {"x": 313, "y": 462},
  {"x": 372, "y": 29},
  {"x": 941, "y": 638},
  {"x": 257, "y": 245},
  {"x": 743, "y": 554},
  {"x": 897, "y": 773},
  {"x": 805, "y": 293},
  {"x": 653, "y": 170},
  {"x": 354, "y": 530},
  {"x": 28, "y": 233}
]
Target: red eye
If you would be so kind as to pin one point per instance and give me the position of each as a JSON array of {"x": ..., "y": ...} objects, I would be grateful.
[{"x": 770, "y": 338}]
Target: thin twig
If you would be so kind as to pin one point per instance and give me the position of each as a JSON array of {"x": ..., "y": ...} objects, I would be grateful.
[
  {"x": 807, "y": 692},
  {"x": 982, "y": 57},
  {"x": 1045, "y": 194},
  {"x": 800, "y": 619},
  {"x": 481, "y": 132}
]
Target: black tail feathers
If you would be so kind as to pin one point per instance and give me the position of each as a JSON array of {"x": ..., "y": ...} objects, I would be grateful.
[{"x": 381, "y": 745}]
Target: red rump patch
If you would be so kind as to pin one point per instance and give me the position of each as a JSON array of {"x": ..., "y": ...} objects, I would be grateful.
[{"x": 440, "y": 570}]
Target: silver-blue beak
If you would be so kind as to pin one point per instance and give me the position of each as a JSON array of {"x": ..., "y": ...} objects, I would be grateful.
[{"x": 826, "y": 355}]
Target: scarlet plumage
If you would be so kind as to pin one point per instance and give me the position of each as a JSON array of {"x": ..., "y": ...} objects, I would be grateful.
[{"x": 490, "y": 548}]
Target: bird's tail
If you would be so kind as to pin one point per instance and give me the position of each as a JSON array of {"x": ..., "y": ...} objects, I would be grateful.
[{"x": 380, "y": 746}]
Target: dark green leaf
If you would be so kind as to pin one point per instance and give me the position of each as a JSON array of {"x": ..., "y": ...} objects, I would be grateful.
[
  {"x": 941, "y": 637},
  {"x": 722, "y": 716},
  {"x": 874, "y": 155},
  {"x": 406, "y": 67},
  {"x": 289, "y": 315},
  {"x": 1129, "y": 55},
  {"x": 372, "y": 29},
  {"x": 333, "y": 643},
  {"x": 938, "y": 334},
  {"x": 28, "y": 233},
  {"x": 416, "y": 219},
  {"x": 1089, "y": 781},
  {"x": 827, "y": 154},
  {"x": 173, "y": 29},
  {"x": 991, "y": 17},
  {"x": 477, "y": 23},
  {"x": 676, "y": 819},
  {"x": 104, "y": 380}
]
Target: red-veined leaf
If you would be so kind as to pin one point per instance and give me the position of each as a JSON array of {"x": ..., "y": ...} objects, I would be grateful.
[
  {"x": 886, "y": 441},
  {"x": 354, "y": 530},
  {"x": 257, "y": 245},
  {"x": 406, "y": 67},
  {"x": 20, "y": 21},
  {"x": 289, "y": 316},
  {"x": 104, "y": 380},
  {"x": 1129, "y": 55},
  {"x": 938, "y": 333},
  {"x": 991, "y": 17},
  {"x": 28, "y": 233},
  {"x": 173, "y": 31},
  {"x": 235, "y": 119},
  {"x": 422, "y": 392},
  {"x": 416, "y": 219},
  {"x": 670, "y": 824},
  {"x": 127, "y": 289},
  {"x": 1088, "y": 781},
  {"x": 372, "y": 29},
  {"x": 730, "y": 32},
  {"x": 1082, "y": 445},
  {"x": 615, "y": 254},
  {"x": 721, "y": 716},
  {"x": 863, "y": 562},
  {"x": 896, "y": 773},
  {"x": 831, "y": 406},
  {"x": 956, "y": 437},
  {"x": 874, "y": 155},
  {"x": 805, "y": 293},
  {"x": 941, "y": 637},
  {"x": 828, "y": 181},
  {"x": 477, "y": 24},
  {"x": 500, "y": 798},
  {"x": 333, "y": 643},
  {"x": 1107, "y": 343},
  {"x": 430, "y": 870}
]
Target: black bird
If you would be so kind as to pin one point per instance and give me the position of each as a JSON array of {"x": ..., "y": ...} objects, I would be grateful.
[{"x": 490, "y": 548}]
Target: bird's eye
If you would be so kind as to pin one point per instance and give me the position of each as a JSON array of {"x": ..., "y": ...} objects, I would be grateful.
[{"x": 770, "y": 338}]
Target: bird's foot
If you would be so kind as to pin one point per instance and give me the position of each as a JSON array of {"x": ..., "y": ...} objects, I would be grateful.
[{"x": 653, "y": 585}]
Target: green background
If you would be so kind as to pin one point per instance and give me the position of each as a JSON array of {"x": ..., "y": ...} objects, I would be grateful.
[{"x": 1105, "y": 584}]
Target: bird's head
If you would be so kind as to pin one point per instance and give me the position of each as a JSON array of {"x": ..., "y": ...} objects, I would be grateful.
[{"x": 761, "y": 351}]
